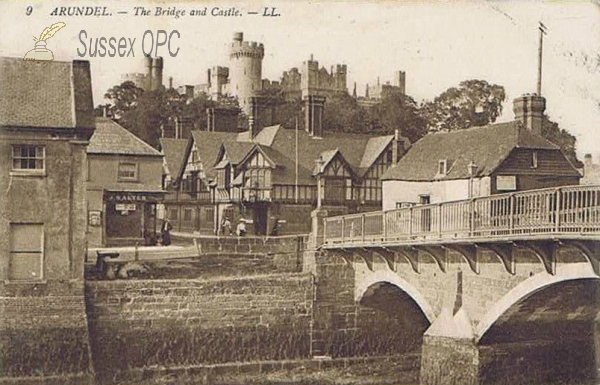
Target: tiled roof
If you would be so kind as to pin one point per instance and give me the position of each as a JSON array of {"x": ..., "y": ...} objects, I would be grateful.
[
  {"x": 374, "y": 148},
  {"x": 351, "y": 146},
  {"x": 486, "y": 146},
  {"x": 279, "y": 145},
  {"x": 50, "y": 94},
  {"x": 112, "y": 138},
  {"x": 174, "y": 152},
  {"x": 208, "y": 144},
  {"x": 236, "y": 151}
]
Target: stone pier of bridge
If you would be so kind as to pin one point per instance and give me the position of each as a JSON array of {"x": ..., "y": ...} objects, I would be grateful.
[{"x": 517, "y": 312}]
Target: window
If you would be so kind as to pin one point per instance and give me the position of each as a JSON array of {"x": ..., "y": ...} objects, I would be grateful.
[
  {"x": 534, "y": 159},
  {"x": 26, "y": 252},
  {"x": 348, "y": 189},
  {"x": 28, "y": 157},
  {"x": 442, "y": 167},
  {"x": 187, "y": 215},
  {"x": 173, "y": 214},
  {"x": 127, "y": 171}
]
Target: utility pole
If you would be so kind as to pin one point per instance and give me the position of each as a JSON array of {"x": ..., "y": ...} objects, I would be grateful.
[{"x": 542, "y": 29}]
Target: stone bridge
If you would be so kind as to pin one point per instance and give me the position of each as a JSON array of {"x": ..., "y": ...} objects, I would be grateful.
[{"x": 502, "y": 289}]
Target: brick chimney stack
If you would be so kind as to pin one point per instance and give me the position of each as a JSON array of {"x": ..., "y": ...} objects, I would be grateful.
[
  {"x": 529, "y": 110},
  {"x": 313, "y": 111}
]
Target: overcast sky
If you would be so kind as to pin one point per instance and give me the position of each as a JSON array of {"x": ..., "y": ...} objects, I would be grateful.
[{"x": 438, "y": 44}]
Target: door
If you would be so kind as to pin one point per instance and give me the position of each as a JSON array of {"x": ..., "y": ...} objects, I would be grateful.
[{"x": 260, "y": 214}]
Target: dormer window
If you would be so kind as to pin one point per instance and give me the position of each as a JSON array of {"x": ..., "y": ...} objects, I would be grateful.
[
  {"x": 534, "y": 159},
  {"x": 443, "y": 167}
]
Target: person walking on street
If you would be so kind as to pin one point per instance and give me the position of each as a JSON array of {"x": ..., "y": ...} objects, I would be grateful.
[
  {"x": 226, "y": 226},
  {"x": 165, "y": 232},
  {"x": 241, "y": 228}
]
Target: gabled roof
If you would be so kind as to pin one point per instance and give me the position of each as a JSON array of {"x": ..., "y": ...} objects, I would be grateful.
[
  {"x": 279, "y": 145},
  {"x": 112, "y": 138},
  {"x": 208, "y": 145},
  {"x": 486, "y": 146},
  {"x": 50, "y": 94},
  {"x": 351, "y": 146},
  {"x": 236, "y": 151},
  {"x": 174, "y": 152},
  {"x": 375, "y": 147}
]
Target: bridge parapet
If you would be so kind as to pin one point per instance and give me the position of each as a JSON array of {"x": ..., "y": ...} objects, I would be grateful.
[{"x": 567, "y": 212}]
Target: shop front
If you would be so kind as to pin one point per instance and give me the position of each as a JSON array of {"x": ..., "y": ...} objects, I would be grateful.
[{"x": 131, "y": 217}]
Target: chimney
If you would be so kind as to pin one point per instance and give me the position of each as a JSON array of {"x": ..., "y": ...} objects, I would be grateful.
[
  {"x": 189, "y": 91},
  {"x": 254, "y": 122},
  {"x": 170, "y": 82},
  {"x": 587, "y": 160},
  {"x": 397, "y": 147},
  {"x": 314, "y": 114},
  {"x": 210, "y": 119},
  {"x": 238, "y": 36},
  {"x": 529, "y": 110},
  {"x": 105, "y": 114},
  {"x": 177, "y": 128}
]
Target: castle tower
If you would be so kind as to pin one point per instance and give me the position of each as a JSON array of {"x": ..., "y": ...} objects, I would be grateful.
[
  {"x": 157, "y": 73},
  {"x": 218, "y": 79},
  {"x": 401, "y": 81},
  {"x": 245, "y": 69},
  {"x": 148, "y": 72}
]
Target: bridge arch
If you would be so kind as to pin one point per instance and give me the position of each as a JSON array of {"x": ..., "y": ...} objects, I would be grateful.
[
  {"x": 383, "y": 276},
  {"x": 528, "y": 288}
]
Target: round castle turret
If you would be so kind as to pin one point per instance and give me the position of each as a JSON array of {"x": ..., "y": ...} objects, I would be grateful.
[{"x": 245, "y": 69}]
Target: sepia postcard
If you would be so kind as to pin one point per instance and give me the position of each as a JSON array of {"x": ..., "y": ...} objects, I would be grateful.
[{"x": 299, "y": 192}]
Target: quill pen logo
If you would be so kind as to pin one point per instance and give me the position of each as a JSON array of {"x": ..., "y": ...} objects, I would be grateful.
[{"x": 40, "y": 52}]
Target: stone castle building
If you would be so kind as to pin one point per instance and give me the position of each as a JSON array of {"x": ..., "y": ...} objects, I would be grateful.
[
  {"x": 243, "y": 77},
  {"x": 151, "y": 78}
]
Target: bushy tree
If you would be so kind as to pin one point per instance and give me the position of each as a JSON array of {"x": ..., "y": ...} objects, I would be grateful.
[
  {"x": 562, "y": 138},
  {"x": 123, "y": 97},
  {"x": 472, "y": 103},
  {"x": 342, "y": 113},
  {"x": 397, "y": 111}
]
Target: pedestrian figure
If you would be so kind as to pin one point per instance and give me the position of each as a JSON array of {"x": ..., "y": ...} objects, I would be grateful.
[
  {"x": 226, "y": 226},
  {"x": 241, "y": 228},
  {"x": 165, "y": 232}
]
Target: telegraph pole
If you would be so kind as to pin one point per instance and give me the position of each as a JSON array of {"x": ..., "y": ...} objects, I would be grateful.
[{"x": 542, "y": 29}]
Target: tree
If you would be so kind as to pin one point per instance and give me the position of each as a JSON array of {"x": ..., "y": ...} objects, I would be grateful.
[
  {"x": 397, "y": 111},
  {"x": 562, "y": 138},
  {"x": 342, "y": 113},
  {"x": 472, "y": 103},
  {"x": 123, "y": 97}
]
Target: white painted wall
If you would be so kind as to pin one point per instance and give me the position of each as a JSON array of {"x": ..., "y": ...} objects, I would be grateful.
[{"x": 395, "y": 191}]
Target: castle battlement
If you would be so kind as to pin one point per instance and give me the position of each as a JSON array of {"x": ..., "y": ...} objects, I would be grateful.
[
  {"x": 319, "y": 81},
  {"x": 247, "y": 49}
]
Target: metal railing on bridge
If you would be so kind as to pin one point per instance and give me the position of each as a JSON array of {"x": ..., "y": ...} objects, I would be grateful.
[{"x": 572, "y": 209}]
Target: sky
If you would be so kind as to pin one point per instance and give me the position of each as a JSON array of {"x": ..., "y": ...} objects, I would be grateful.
[{"x": 438, "y": 44}]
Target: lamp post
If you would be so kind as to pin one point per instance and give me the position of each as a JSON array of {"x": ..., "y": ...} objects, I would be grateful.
[{"x": 319, "y": 163}]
